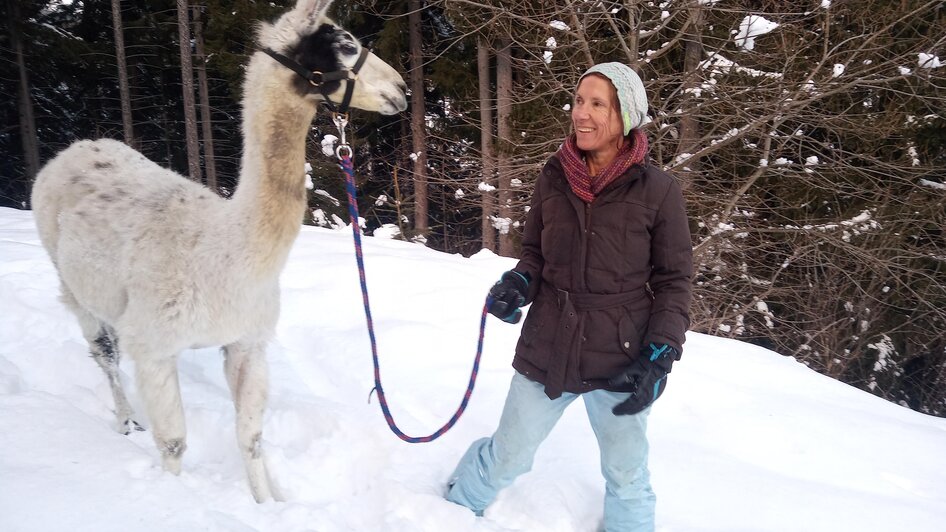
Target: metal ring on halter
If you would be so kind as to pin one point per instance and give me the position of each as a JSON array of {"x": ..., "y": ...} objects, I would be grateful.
[{"x": 339, "y": 148}]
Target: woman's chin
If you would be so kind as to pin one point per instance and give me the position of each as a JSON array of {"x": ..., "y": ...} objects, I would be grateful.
[{"x": 584, "y": 145}]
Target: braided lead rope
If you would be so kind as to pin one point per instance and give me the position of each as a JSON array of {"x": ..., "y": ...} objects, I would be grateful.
[{"x": 348, "y": 169}]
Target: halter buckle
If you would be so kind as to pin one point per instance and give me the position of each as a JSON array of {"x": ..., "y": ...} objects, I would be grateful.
[{"x": 341, "y": 121}]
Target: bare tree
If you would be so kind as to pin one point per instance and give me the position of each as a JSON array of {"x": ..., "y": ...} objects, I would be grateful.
[
  {"x": 504, "y": 130},
  {"x": 123, "y": 89},
  {"x": 206, "y": 117},
  {"x": 688, "y": 126},
  {"x": 187, "y": 86},
  {"x": 486, "y": 144},
  {"x": 25, "y": 102},
  {"x": 418, "y": 117}
]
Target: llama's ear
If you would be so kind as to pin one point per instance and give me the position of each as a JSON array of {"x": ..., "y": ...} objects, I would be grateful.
[{"x": 311, "y": 12}]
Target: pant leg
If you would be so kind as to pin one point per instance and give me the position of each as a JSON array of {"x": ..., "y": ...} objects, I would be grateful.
[
  {"x": 491, "y": 464},
  {"x": 629, "y": 501}
]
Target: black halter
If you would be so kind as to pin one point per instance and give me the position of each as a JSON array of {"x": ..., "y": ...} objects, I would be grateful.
[{"x": 319, "y": 79}]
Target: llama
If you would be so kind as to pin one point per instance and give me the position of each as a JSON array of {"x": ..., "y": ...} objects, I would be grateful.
[{"x": 153, "y": 263}]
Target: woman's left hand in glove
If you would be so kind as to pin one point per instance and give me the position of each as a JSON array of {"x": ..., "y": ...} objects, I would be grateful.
[{"x": 646, "y": 377}]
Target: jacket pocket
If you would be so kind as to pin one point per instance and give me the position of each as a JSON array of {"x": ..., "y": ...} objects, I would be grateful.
[
  {"x": 630, "y": 334},
  {"x": 532, "y": 327}
]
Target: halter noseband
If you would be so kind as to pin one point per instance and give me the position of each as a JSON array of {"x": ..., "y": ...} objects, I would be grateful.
[{"x": 319, "y": 79}]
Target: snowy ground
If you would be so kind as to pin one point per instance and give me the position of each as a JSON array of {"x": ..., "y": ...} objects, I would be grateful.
[{"x": 744, "y": 439}]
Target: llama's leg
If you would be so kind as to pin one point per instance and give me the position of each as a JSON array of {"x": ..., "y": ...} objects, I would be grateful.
[
  {"x": 103, "y": 345},
  {"x": 161, "y": 394},
  {"x": 247, "y": 375},
  {"x": 104, "y": 349}
]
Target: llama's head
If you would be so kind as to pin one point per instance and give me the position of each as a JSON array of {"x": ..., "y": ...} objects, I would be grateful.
[{"x": 316, "y": 44}]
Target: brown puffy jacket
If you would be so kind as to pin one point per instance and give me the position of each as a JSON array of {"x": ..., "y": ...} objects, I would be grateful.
[{"x": 607, "y": 277}]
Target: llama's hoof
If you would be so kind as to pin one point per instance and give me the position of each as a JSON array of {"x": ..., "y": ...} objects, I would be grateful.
[
  {"x": 131, "y": 426},
  {"x": 260, "y": 498},
  {"x": 171, "y": 464},
  {"x": 258, "y": 478},
  {"x": 171, "y": 453}
]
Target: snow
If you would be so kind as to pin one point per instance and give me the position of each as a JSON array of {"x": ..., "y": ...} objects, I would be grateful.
[
  {"x": 328, "y": 197},
  {"x": 933, "y": 184},
  {"x": 717, "y": 64},
  {"x": 328, "y": 145},
  {"x": 309, "y": 185},
  {"x": 387, "y": 231},
  {"x": 744, "y": 439},
  {"x": 559, "y": 25},
  {"x": 929, "y": 61},
  {"x": 751, "y": 27}
]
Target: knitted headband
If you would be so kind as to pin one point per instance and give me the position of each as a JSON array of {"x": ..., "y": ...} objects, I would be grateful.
[{"x": 630, "y": 90}]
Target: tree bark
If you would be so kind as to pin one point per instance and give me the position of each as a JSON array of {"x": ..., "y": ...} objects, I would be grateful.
[
  {"x": 206, "y": 118},
  {"x": 503, "y": 128},
  {"x": 689, "y": 120},
  {"x": 486, "y": 144},
  {"x": 187, "y": 86},
  {"x": 25, "y": 103},
  {"x": 123, "y": 88},
  {"x": 582, "y": 38},
  {"x": 418, "y": 112}
]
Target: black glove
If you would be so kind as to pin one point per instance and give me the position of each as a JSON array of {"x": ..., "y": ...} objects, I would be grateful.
[
  {"x": 646, "y": 378},
  {"x": 507, "y": 295}
]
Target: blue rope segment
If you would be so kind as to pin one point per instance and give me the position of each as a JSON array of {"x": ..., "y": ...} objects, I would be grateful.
[{"x": 348, "y": 168}]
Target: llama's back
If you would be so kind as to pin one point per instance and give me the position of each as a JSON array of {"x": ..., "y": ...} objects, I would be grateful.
[
  {"x": 113, "y": 220},
  {"x": 92, "y": 180}
]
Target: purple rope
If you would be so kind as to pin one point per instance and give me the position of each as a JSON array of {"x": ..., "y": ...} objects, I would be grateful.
[{"x": 346, "y": 165}]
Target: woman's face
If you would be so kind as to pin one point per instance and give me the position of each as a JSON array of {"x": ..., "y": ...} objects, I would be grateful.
[{"x": 598, "y": 126}]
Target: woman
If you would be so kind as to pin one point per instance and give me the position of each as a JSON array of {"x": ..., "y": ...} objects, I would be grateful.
[{"x": 606, "y": 263}]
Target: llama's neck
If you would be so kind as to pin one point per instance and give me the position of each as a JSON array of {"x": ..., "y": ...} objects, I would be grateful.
[{"x": 271, "y": 196}]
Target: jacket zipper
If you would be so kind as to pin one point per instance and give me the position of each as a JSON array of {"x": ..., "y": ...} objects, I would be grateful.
[{"x": 585, "y": 246}]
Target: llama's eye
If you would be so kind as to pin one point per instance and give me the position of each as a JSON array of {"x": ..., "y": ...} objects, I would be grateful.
[{"x": 347, "y": 48}]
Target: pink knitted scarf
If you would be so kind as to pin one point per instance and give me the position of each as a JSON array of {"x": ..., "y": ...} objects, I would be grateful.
[{"x": 587, "y": 186}]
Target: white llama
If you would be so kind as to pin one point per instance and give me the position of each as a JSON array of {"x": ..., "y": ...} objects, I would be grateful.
[{"x": 153, "y": 263}]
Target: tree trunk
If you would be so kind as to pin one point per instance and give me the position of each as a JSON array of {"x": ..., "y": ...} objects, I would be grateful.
[
  {"x": 25, "y": 103},
  {"x": 486, "y": 144},
  {"x": 633, "y": 38},
  {"x": 503, "y": 112},
  {"x": 123, "y": 89},
  {"x": 187, "y": 86},
  {"x": 689, "y": 120},
  {"x": 418, "y": 111},
  {"x": 206, "y": 118}
]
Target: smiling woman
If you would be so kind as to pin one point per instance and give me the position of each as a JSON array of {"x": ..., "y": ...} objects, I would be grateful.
[
  {"x": 606, "y": 260},
  {"x": 597, "y": 121}
]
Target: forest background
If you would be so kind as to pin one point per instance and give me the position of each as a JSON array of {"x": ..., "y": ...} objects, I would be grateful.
[{"x": 809, "y": 137}]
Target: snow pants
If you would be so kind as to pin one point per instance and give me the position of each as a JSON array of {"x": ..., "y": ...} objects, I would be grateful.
[{"x": 491, "y": 464}]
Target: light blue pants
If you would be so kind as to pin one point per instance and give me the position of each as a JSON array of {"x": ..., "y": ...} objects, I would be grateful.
[{"x": 491, "y": 464}]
